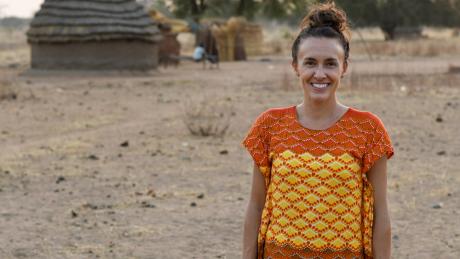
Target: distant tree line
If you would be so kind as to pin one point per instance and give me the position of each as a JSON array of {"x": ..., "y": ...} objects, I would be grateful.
[
  {"x": 14, "y": 22},
  {"x": 386, "y": 14},
  {"x": 390, "y": 14}
]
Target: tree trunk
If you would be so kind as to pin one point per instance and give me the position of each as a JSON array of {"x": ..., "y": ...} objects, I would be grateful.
[
  {"x": 195, "y": 11},
  {"x": 388, "y": 31}
]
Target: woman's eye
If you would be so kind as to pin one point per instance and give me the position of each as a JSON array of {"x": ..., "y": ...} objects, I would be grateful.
[
  {"x": 309, "y": 63},
  {"x": 331, "y": 64}
]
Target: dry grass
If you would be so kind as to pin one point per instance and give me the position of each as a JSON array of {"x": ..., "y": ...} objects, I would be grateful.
[
  {"x": 208, "y": 117},
  {"x": 436, "y": 42},
  {"x": 407, "y": 83},
  {"x": 408, "y": 48},
  {"x": 288, "y": 81},
  {"x": 7, "y": 91}
]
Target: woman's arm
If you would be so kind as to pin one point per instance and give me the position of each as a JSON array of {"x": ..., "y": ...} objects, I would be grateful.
[
  {"x": 253, "y": 215},
  {"x": 382, "y": 229}
]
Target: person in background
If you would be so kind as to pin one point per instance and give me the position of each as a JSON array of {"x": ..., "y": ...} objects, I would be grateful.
[{"x": 200, "y": 55}]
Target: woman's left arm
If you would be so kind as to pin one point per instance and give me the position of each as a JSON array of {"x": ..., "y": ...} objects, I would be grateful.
[{"x": 382, "y": 228}]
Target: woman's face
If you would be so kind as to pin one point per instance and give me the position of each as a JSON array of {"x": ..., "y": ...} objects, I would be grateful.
[{"x": 320, "y": 66}]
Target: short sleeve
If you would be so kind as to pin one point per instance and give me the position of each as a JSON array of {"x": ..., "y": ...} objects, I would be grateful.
[
  {"x": 378, "y": 145},
  {"x": 257, "y": 141}
]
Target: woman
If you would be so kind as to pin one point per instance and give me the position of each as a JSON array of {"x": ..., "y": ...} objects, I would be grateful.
[{"x": 319, "y": 182}]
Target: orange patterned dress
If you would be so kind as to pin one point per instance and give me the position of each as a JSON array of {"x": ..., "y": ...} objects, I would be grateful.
[{"x": 319, "y": 202}]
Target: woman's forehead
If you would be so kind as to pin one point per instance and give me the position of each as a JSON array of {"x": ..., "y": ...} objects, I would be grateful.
[{"x": 315, "y": 47}]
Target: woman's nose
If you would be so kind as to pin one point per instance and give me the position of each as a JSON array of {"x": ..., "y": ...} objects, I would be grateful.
[{"x": 319, "y": 73}]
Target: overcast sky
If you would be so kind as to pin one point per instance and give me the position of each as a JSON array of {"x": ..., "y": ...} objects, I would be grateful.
[{"x": 20, "y": 8}]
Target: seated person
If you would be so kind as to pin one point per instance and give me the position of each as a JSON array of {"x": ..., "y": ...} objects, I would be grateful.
[{"x": 199, "y": 54}]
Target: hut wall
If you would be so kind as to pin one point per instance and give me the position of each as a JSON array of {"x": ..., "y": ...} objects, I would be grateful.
[
  {"x": 253, "y": 39},
  {"x": 104, "y": 55}
]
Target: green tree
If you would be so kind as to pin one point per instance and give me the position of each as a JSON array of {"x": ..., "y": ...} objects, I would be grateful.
[
  {"x": 391, "y": 14},
  {"x": 246, "y": 8}
]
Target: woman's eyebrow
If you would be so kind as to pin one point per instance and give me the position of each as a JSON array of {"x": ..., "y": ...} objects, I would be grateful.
[{"x": 331, "y": 59}]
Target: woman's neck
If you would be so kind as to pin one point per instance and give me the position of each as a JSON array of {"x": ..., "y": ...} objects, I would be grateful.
[
  {"x": 319, "y": 115},
  {"x": 321, "y": 110}
]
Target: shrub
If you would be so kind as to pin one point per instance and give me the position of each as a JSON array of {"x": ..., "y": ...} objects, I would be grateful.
[{"x": 208, "y": 117}]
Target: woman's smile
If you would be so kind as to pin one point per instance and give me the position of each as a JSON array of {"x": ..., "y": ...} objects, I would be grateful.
[{"x": 320, "y": 85}]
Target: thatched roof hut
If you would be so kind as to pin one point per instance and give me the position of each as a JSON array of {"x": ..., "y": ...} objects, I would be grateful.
[{"x": 93, "y": 34}]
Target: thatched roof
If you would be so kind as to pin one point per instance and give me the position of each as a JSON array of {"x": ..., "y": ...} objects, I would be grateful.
[{"x": 91, "y": 20}]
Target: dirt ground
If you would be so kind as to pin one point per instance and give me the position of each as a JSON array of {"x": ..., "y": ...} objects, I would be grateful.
[{"x": 103, "y": 166}]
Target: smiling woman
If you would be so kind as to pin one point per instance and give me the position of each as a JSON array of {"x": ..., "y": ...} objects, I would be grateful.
[{"x": 319, "y": 182}]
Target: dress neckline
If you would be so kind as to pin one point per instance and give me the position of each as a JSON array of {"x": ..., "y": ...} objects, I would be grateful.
[{"x": 296, "y": 119}]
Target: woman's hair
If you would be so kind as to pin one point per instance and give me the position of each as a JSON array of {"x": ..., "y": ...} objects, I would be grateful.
[{"x": 324, "y": 20}]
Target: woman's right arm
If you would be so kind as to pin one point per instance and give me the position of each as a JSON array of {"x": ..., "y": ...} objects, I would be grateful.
[{"x": 253, "y": 215}]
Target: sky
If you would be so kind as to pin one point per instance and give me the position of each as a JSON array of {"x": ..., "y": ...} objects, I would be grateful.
[{"x": 20, "y": 8}]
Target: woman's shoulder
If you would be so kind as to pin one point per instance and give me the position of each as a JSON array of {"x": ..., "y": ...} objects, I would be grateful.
[
  {"x": 277, "y": 113},
  {"x": 273, "y": 115},
  {"x": 365, "y": 117}
]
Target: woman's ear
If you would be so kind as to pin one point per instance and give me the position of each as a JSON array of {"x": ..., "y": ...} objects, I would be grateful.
[
  {"x": 345, "y": 67},
  {"x": 294, "y": 67}
]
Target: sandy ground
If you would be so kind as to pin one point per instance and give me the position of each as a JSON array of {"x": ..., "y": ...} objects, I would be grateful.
[{"x": 103, "y": 166}]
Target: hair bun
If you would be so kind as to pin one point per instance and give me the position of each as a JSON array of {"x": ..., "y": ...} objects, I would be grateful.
[{"x": 327, "y": 15}]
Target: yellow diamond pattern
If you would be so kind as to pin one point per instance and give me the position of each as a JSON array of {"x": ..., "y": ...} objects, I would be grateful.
[
  {"x": 338, "y": 243},
  {"x": 347, "y": 234},
  {"x": 283, "y": 170},
  {"x": 346, "y": 158},
  {"x": 323, "y": 174},
  {"x": 298, "y": 241},
  {"x": 277, "y": 163},
  {"x": 284, "y": 187},
  {"x": 354, "y": 167},
  {"x": 293, "y": 163},
  {"x": 283, "y": 204},
  {"x": 292, "y": 196},
  {"x": 277, "y": 212},
  {"x": 321, "y": 208},
  {"x": 333, "y": 182},
  {"x": 313, "y": 182},
  {"x": 330, "y": 217},
  {"x": 310, "y": 234},
  {"x": 330, "y": 235},
  {"x": 322, "y": 190},
  {"x": 348, "y": 218},
  {"x": 292, "y": 213},
  {"x": 315, "y": 165},
  {"x": 344, "y": 175},
  {"x": 277, "y": 195},
  {"x": 286, "y": 155},
  {"x": 320, "y": 243},
  {"x": 306, "y": 157},
  {"x": 302, "y": 189},
  {"x": 335, "y": 165},
  {"x": 316, "y": 200},
  {"x": 292, "y": 179},
  {"x": 291, "y": 231},
  {"x": 311, "y": 216},
  {"x": 331, "y": 199},
  {"x": 300, "y": 223},
  {"x": 326, "y": 158},
  {"x": 303, "y": 172},
  {"x": 301, "y": 206},
  {"x": 311, "y": 198}
]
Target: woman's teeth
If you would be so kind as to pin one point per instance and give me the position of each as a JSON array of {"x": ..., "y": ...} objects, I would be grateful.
[{"x": 320, "y": 86}]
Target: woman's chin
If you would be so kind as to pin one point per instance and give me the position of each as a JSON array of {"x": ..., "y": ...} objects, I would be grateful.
[{"x": 319, "y": 97}]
